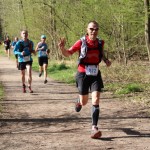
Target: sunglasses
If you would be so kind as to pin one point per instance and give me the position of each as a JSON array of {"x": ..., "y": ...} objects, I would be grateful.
[
  {"x": 24, "y": 33},
  {"x": 92, "y": 29}
]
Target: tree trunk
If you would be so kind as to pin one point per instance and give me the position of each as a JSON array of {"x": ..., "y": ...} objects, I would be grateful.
[
  {"x": 147, "y": 26},
  {"x": 24, "y": 16}
]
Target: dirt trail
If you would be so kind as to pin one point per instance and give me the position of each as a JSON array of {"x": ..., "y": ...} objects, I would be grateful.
[{"x": 46, "y": 120}]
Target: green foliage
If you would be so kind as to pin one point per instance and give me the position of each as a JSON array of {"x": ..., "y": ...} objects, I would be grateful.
[
  {"x": 62, "y": 72},
  {"x": 135, "y": 71},
  {"x": 2, "y": 51},
  {"x": 129, "y": 88},
  {"x": 58, "y": 67},
  {"x": 121, "y": 23}
]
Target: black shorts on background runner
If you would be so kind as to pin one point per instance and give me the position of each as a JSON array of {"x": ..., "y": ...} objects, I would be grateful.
[
  {"x": 7, "y": 48},
  {"x": 22, "y": 65},
  {"x": 43, "y": 60}
]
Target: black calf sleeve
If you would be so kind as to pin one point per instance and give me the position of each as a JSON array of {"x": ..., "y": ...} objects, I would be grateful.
[{"x": 95, "y": 114}]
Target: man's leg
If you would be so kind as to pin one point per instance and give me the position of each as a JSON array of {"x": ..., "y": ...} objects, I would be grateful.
[
  {"x": 95, "y": 114},
  {"x": 29, "y": 73},
  {"x": 83, "y": 87},
  {"x": 8, "y": 53},
  {"x": 40, "y": 70},
  {"x": 81, "y": 101},
  {"x": 23, "y": 80},
  {"x": 45, "y": 73},
  {"x": 95, "y": 107},
  {"x": 40, "y": 61}
]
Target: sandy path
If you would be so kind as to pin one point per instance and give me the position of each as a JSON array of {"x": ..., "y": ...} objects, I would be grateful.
[{"x": 46, "y": 120}]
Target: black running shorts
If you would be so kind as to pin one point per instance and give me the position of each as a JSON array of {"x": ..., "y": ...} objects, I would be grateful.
[
  {"x": 22, "y": 65},
  {"x": 7, "y": 48},
  {"x": 42, "y": 60},
  {"x": 86, "y": 83}
]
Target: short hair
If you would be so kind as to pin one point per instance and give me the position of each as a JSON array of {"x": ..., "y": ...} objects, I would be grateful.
[
  {"x": 16, "y": 38},
  {"x": 94, "y": 22},
  {"x": 24, "y": 31}
]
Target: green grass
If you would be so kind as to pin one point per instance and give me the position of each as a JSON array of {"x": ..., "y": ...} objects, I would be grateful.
[
  {"x": 1, "y": 91},
  {"x": 129, "y": 88},
  {"x": 2, "y": 52},
  {"x": 1, "y": 95},
  {"x": 62, "y": 72}
]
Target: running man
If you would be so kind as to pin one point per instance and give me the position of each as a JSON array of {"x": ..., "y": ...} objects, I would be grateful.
[
  {"x": 43, "y": 53},
  {"x": 13, "y": 46},
  {"x": 88, "y": 75},
  {"x": 24, "y": 49},
  {"x": 7, "y": 45}
]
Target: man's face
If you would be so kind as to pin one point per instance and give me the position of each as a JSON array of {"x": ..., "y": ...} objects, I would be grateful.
[
  {"x": 43, "y": 39},
  {"x": 16, "y": 39},
  {"x": 24, "y": 34},
  {"x": 92, "y": 31}
]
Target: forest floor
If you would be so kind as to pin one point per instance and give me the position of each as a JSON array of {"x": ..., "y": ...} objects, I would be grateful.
[{"x": 46, "y": 119}]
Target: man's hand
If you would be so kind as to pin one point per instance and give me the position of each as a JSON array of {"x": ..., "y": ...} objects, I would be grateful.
[
  {"x": 61, "y": 46},
  {"x": 62, "y": 43},
  {"x": 34, "y": 52},
  {"x": 108, "y": 63},
  {"x": 42, "y": 48},
  {"x": 23, "y": 53}
]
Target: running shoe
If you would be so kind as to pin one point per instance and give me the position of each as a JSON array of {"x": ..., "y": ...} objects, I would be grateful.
[
  {"x": 40, "y": 74},
  {"x": 24, "y": 88},
  {"x": 96, "y": 134},
  {"x": 78, "y": 105},
  {"x": 45, "y": 81},
  {"x": 30, "y": 90}
]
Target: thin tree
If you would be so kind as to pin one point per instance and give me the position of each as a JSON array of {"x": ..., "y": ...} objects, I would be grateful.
[
  {"x": 24, "y": 16},
  {"x": 147, "y": 26}
]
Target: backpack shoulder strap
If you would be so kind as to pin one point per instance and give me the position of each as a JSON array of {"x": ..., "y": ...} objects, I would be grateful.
[
  {"x": 30, "y": 45},
  {"x": 100, "y": 47},
  {"x": 100, "y": 44},
  {"x": 21, "y": 46},
  {"x": 83, "y": 38},
  {"x": 83, "y": 47}
]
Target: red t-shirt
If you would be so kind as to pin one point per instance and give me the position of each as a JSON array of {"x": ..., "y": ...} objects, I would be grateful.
[{"x": 92, "y": 56}]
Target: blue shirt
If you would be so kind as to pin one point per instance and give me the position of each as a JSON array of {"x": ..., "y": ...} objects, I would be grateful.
[
  {"x": 13, "y": 44},
  {"x": 42, "y": 52},
  {"x": 23, "y": 46}
]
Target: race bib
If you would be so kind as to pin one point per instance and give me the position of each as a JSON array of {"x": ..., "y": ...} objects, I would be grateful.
[
  {"x": 26, "y": 58},
  {"x": 43, "y": 53},
  {"x": 91, "y": 70}
]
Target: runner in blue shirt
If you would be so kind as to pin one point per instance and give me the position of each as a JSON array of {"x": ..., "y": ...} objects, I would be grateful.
[
  {"x": 13, "y": 46},
  {"x": 43, "y": 53},
  {"x": 24, "y": 49}
]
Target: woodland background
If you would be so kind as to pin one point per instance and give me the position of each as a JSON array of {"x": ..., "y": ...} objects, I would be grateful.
[{"x": 124, "y": 24}]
